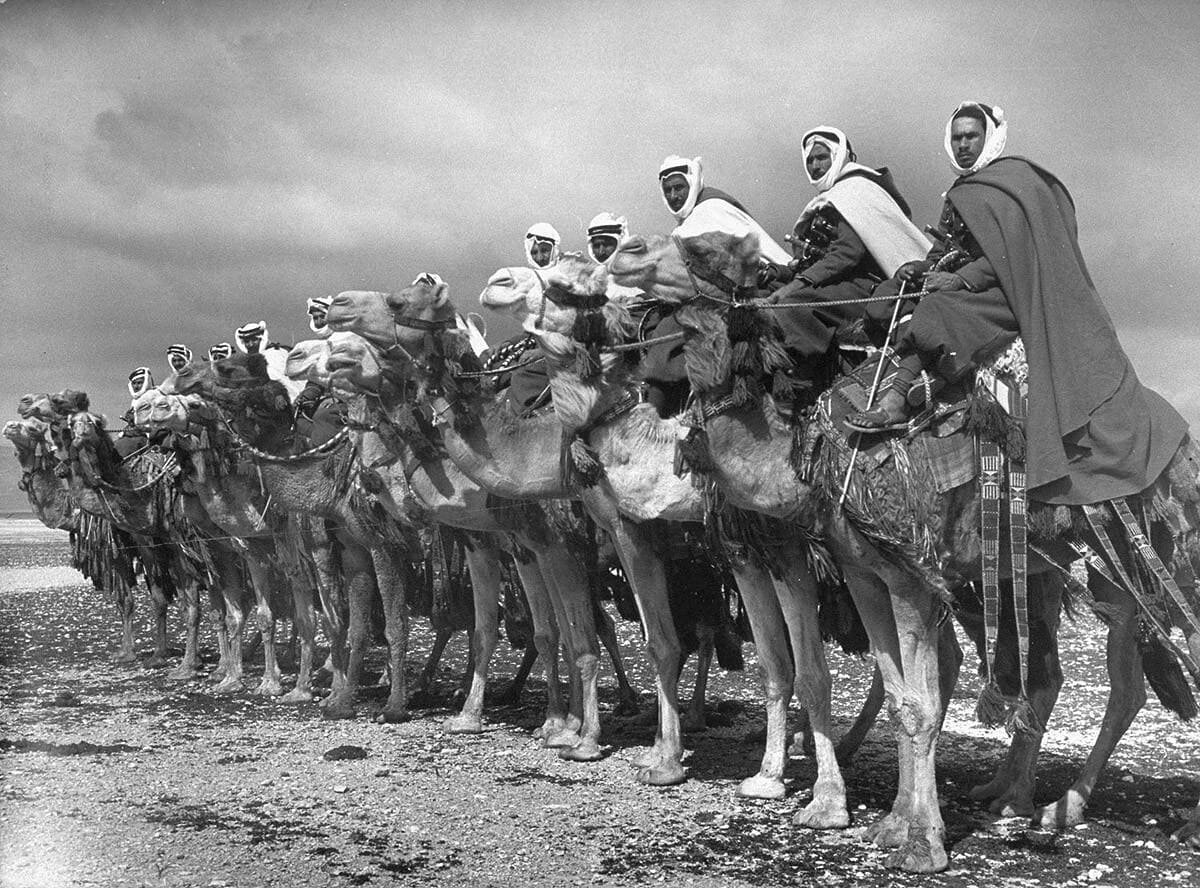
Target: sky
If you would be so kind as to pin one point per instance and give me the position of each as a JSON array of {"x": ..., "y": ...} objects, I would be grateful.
[{"x": 172, "y": 170}]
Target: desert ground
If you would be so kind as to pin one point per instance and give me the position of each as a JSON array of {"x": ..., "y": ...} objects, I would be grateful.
[{"x": 111, "y": 775}]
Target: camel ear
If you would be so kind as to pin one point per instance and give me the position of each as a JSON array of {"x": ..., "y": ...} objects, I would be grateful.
[
  {"x": 746, "y": 249},
  {"x": 598, "y": 280},
  {"x": 441, "y": 295}
]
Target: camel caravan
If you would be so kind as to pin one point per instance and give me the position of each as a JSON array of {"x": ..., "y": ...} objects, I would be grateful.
[{"x": 847, "y": 442}]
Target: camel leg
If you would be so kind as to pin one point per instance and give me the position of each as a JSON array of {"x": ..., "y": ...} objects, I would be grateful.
[
  {"x": 125, "y": 611},
  {"x": 1010, "y": 792},
  {"x": 853, "y": 738},
  {"x": 662, "y": 765},
  {"x": 272, "y": 680},
  {"x": 1127, "y": 695},
  {"x": 305, "y": 627},
  {"x": 331, "y": 599},
  {"x": 693, "y": 719},
  {"x": 798, "y": 599},
  {"x": 568, "y": 585},
  {"x": 1189, "y": 834},
  {"x": 158, "y": 614},
  {"x": 512, "y": 694},
  {"x": 358, "y": 572},
  {"x": 485, "y": 589},
  {"x": 217, "y": 613},
  {"x": 392, "y": 589},
  {"x": 545, "y": 640},
  {"x": 775, "y": 667},
  {"x": 235, "y": 619},
  {"x": 441, "y": 638},
  {"x": 920, "y": 715},
  {"x": 627, "y": 697},
  {"x": 189, "y": 667}
]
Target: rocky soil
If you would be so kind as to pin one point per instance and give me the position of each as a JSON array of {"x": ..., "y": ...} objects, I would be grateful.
[{"x": 112, "y": 776}]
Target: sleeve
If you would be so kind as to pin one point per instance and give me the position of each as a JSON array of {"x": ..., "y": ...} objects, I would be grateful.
[
  {"x": 845, "y": 253},
  {"x": 979, "y": 275}
]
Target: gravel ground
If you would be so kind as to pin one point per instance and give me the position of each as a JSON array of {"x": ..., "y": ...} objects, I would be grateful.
[{"x": 113, "y": 776}]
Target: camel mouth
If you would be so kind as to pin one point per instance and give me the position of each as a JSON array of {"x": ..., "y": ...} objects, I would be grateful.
[{"x": 337, "y": 363}]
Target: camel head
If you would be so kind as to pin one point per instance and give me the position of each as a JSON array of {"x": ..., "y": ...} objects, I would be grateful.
[
  {"x": 308, "y": 361},
  {"x": 656, "y": 265},
  {"x": 35, "y": 405},
  {"x": 388, "y": 319},
  {"x": 68, "y": 402},
  {"x": 26, "y": 434},
  {"x": 516, "y": 291},
  {"x": 575, "y": 287},
  {"x": 353, "y": 364}
]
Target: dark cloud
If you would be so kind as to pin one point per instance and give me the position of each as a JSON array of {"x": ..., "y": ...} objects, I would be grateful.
[{"x": 173, "y": 170}]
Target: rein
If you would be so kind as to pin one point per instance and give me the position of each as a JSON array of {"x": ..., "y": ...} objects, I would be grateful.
[{"x": 311, "y": 453}]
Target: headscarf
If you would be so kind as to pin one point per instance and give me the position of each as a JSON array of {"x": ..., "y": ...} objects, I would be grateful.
[
  {"x": 995, "y": 135},
  {"x": 841, "y": 154},
  {"x": 178, "y": 356},
  {"x": 692, "y": 171},
  {"x": 429, "y": 279},
  {"x": 318, "y": 308},
  {"x": 541, "y": 231},
  {"x": 220, "y": 351},
  {"x": 608, "y": 225},
  {"x": 251, "y": 338},
  {"x": 141, "y": 381}
]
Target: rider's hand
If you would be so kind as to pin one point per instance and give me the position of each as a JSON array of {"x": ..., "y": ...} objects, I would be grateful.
[
  {"x": 944, "y": 280},
  {"x": 910, "y": 272}
]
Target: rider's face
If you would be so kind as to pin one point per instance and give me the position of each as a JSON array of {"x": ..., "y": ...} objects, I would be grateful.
[
  {"x": 540, "y": 252},
  {"x": 603, "y": 247},
  {"x": 818, "y": 161},
  {"x": 967, "y": 136},
  {"x": 675, "y": 190}
]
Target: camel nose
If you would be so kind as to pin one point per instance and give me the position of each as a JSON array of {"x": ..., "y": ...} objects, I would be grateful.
[{"x": 340, "y": 362}]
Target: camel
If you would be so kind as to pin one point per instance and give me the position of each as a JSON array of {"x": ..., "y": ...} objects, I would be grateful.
[
  {"x": 308, "y": 361},
  {"x": 750, "y": 445},
  {"x": 236, "y": 505},
  {"x": 74, "y": 505},
  {"x": 514, "y": 461},
  {"x": 411, "y": 479},
  {"x": 585, "y": 403}
]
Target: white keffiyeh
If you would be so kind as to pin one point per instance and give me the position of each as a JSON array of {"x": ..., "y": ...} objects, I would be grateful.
[{"x": 995, "y": 135}]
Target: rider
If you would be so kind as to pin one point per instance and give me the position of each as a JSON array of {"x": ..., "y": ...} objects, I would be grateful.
[
  {"x": 855, "y": 233},
  {"x": 178, "y": 356},
  {"x": 604, "y": 232},
  {"x": 1094, "y": 432},
  {"x": 541, "y": 245},
  {"x": 699, "y": 208}
]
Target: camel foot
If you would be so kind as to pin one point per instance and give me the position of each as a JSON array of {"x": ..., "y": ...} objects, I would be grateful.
[
  {"x": 1066, "y": 812},
  {"x": 920, "y": 854},
  {"x": 1188, "y": 835},
  {"x": 393, "y": 715},
  {"x": 269, "y": 688},
  {"x": 464, "y": 723},
  {"x": 823, "y": 813},
  {"x": 1012, "y": 806},
  {"x": 693, "y": 722},
  {"x": 668, "y": 773},
  {"x": 986, "y": 792},
  {"x": 297, "y": 695},
  {"x": 183, "y": 673},
  {"x": 551, "y": 726},
  {"x": 336, "y": 706},
  {"x": 761, "y": 787},
  {"x": 227, "y": 687},
  {"x": 585, "y": 751},
  {"x": 627, "y": 708},
  {"x": 564, "y": 739},
  {"x": 802, "y": 745},
  {"x": 890, "y": 832},
  {"x": 648, "y": 759}
]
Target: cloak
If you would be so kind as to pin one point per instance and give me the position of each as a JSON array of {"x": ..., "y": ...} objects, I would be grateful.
[
  {"x": 717, "y": 211},
  {"x": 1094, "y": 432}
]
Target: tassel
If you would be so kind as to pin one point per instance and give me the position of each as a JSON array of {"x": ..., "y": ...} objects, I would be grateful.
[
  {"x": 742, "y": 324},
  {"x": 692, "y": 451},
  {"x": 587, "y": 362},
  {"x": 782, "y": 387},
  {"x": 587, "y": 466},
  {"x": 991, "y": 708},
  {"x": 1023, "y": 719},
  {"x": 742, "y": 357},
  {"x": 742, "y": 391}
]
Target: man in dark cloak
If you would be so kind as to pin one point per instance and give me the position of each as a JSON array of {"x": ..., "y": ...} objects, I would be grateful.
[{"x": 1094, "y": 432}]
